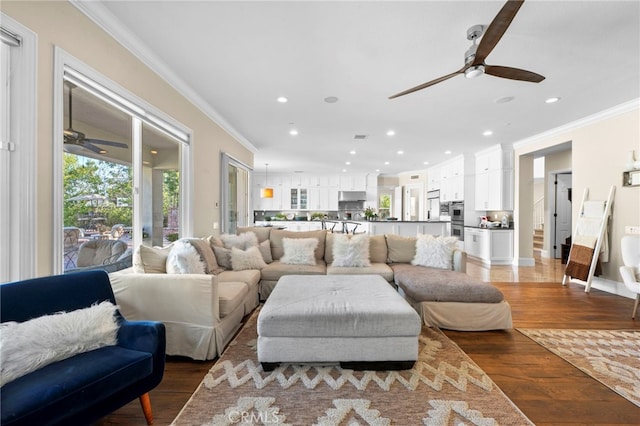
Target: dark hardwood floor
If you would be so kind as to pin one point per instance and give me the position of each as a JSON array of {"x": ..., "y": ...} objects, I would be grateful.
[{"x": 547, "y": 389}]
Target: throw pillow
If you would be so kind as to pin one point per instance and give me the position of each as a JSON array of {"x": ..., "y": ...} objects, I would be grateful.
[
  {"x": 151, "y": 260},
  {"x": 265, "y": 250},
  {"x": 30, "y": 345},
  {"x": 351, "y": 251},
  {"x": 401, "y": 249},
  {"x": 250, "y": 258},
  {"x": 262, "y": 232},
  {"x": 242, "y": 241},
  {"x": 184, "y": 259},
  {"x": 223, "y": 256},
  {"x": 434, "y": 252},
  {"x": 206, "y": 254},
  {"x": 299, "y": 251}
]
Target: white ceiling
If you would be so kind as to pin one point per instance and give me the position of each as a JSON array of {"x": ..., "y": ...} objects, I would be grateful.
[{"x": 237, "y": 57}]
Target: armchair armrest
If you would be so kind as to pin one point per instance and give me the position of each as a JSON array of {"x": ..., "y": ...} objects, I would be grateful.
[
  {"x": 629, "y": 278},
  {"x": 145, "y": 336}
]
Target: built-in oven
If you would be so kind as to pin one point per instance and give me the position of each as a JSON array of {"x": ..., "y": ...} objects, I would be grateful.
[
  {"x": 456, "y": 211},
  {"x": 457, "y": 230}
]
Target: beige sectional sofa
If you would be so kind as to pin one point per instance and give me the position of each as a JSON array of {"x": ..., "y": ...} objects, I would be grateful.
[{"x": 203, "y": 311}]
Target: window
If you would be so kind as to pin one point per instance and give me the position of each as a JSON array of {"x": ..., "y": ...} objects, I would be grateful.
[
  {"x": 124, "y": 171},
  {"x": 17, "y": 150}
]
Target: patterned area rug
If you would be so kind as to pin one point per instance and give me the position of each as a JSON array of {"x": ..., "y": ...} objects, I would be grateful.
[
  {"x": 611, "y": 357},
  {"x": 445, "y": 387}
]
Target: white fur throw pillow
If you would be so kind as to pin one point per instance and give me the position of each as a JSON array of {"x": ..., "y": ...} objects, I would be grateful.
[
  {"x": 184, "y": 259},
  {"x": 299, "y": 251},
  {"x": 434, "y": 252},
  {"x": 30, "y": 345},
  {"x": 351, "y": 250},
  {"x": 250, "y": 258},
  {"x": 242, "y": 241}
]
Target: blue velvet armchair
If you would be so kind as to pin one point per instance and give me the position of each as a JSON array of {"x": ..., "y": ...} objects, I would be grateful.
[{"x": 83, "y": 388}]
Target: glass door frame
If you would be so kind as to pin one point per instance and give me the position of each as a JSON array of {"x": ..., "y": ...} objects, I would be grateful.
[{"x": 227, "y": 160}]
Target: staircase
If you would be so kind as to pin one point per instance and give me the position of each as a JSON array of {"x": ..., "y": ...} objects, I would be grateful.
[{"x": 538, "y": 239}]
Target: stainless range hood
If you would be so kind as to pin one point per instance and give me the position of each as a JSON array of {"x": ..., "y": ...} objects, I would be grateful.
[{"x": 352, "y": 196}]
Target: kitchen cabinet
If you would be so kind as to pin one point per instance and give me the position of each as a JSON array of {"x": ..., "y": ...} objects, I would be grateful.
[
  {"x": 433, "y": 178},
  {"x": 280, "y": 194},
  {"x": 494, "y": 180},
  {"x": 408, "y": 229},
  {"x": 452, "y": 180},
  {"x": 492, "y": 246},
  {"x": 356, "y": 182},
  {"x": 299, "y": 198}
]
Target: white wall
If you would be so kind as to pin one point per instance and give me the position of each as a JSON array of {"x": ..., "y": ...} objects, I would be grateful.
[
  {"x": 599, "y": 149},
  {"x": 57, "y": 23}
]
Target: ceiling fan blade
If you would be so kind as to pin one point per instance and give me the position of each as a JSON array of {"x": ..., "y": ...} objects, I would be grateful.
[
  {"x": 496, "y": 30},
  {"x": 109, "y": 143},
  {"x": 91, "y": 147},
  {"x": 429, "y": 83},
  {"x": 513, "y": 73}
]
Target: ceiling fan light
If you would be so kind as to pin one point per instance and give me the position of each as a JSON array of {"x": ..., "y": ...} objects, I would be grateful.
[
  {"x": 475, "y": 71},
  {"x": 266, "y": 193}
]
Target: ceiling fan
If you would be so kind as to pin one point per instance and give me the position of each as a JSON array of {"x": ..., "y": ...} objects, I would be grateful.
[
  {"x": 474, "y": 64},
  {"x": 76, "y": 138}
]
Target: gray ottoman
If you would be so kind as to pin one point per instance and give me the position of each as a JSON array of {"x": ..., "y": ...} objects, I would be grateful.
[{"x": 359, "y": 321}]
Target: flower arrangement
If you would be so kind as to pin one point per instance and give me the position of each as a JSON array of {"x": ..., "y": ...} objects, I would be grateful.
[{"x": 370, "y": 213}]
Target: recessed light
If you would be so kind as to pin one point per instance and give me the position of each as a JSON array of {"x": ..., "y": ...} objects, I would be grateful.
[
  {"x": 487, "y": 133},
  {"x": 447, "y": 152},
  {"x": 331, "y": 99},
  {"x": 386, "y": 163},
  {"x": 400, "y": 152},
  {"x": 282, "y": 99},
  {"x": 293, "y": 132},
  {"x": 348, "y": 163},
  {"x": 426, "y": 163},
  {"x": 377, "y": 170},
  {"x": 552, "y": 100},
  {"x": 352, "y": 152},
  {"x": 344, "y": 170},
  {"x": 390, "y": 133}
]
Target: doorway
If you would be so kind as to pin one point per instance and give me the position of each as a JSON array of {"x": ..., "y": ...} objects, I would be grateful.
[
  {"x": 560, "y": 208},
  {"x": 413, "y": 202}
]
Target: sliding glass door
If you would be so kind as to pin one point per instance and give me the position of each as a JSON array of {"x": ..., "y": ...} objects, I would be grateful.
[{"x": 235, "y": 194}]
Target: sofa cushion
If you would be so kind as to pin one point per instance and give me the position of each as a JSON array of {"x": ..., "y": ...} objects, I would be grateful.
[
  {"x": 377, "y": 248},
  {"x": 434, "y": 252},
  {"x": 299, "y": 251},
  {"x": 351, "y": 250},
  {"x": 250, "y": 258},
  {"x": 249, "y": 276},
  {"x": 231, "y": 295},
  {"x": 274, "y": 271},
  {"x": 381, "y": 269},
  {"x": 57, "y": 388},
  {"x": 262, "y": 232},
  {"x": 424, "y": 284},
  {"x": 277, "y": 246},
  {"x": 151, "y": 260},
  {"x": 401, "y": 249},
  {"x": 241, "y": 241}
]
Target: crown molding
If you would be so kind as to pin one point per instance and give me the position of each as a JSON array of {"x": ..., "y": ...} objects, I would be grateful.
[
  {"x": 104, "y": 19},
  {"x": 623, "y": 108}
]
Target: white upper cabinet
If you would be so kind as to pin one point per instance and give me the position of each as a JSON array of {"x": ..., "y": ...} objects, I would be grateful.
[
  {"x": 494, "y": 179},
  {"x": 356, "y": 182},
  {"x": 452, "y": 180}
]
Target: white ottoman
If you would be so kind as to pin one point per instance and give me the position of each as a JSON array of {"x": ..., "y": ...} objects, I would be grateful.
[{"x": 357, "y": 320}]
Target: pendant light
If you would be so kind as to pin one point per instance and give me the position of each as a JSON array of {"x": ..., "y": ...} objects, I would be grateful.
[{"x": 266, "y": 192}]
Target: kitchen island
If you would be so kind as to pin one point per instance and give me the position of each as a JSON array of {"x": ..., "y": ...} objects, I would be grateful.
[{"x": 381, "y": 227}]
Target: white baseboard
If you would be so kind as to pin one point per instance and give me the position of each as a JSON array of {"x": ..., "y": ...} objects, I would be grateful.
[{"x": 609, "y": 286}]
